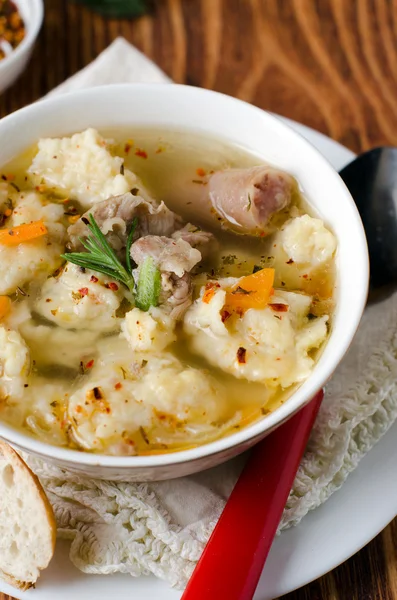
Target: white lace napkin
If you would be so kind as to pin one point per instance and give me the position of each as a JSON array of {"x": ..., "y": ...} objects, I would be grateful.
[{"x": 162, "y": 527}]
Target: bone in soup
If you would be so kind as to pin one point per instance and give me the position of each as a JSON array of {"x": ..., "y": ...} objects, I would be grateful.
[{"x": 158, "y": 290}]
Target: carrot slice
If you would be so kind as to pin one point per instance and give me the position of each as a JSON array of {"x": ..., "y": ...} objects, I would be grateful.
[
  {"x": 252, "y": 291},
  {"x": 5, "y": 306},
  {"x": 22, "y": 233}
]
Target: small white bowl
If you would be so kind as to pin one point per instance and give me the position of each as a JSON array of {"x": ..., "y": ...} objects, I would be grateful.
[
  {"x": 14, "y": 64},
  {"x": 178, "y": 107}
]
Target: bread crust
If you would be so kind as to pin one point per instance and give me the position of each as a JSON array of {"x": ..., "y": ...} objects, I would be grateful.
[{"x": 18, "y": 464}]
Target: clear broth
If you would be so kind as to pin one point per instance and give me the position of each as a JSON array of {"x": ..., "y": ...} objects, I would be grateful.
[{"x": 172, "y": 167}]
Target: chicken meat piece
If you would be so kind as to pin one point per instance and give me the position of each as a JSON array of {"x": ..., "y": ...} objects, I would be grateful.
[
  {"x": 115, "y": 215},
  {"x": 247, "y": 200},
  {"x": 204, "y": 241},
  {"x": 175, "y": 259},
  {"x": 175, "y": 256}
]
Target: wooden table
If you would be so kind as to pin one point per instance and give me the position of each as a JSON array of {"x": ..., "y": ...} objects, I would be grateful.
[{"x": 331, "y": 64}]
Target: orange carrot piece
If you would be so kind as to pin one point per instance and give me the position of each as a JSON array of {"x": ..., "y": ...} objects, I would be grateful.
[
  {"x": 252, "y": 291},
  {"x": 5, "y": 306},
  {"x": 22, "y": 233}
]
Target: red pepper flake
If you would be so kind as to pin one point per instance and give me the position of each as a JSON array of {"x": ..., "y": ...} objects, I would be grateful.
[
  {"x": 279, "y": 307},
  {"x": 118, "y": 386},
  {"x": 305, "y": 276},
  {"x": 90, "y": 364},
  {"x": 83, "y": 291},
  {"x": 225, "y": 314},
  {"x": 200, "y": 172},
  {"x": 112, "y": 286},
  {"x": 241, "y": 355},
  {"x": 94, "y": 279},
  {"x": 210, "y": 291},
  {"x": 290, "y": 262},
  {"x": 141, "y": 153},
  {"x": 262, "y": 234}
]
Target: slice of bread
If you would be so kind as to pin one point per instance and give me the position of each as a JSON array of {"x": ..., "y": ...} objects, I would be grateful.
[{"x": 27, "y": 522}]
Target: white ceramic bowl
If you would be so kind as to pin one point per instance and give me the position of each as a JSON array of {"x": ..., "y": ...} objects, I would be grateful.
[
  {"x": 14, "y": 64},
  {"x": 187, "y": 108}
]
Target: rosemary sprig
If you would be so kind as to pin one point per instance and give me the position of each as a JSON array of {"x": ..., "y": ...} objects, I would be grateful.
[
  {"x": 101, "y": 257},
  {"x": 129, "y": 244}
]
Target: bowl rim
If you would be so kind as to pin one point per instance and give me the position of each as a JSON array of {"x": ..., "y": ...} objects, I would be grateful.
[
  {"x": 32, "y": 31},
  {"x": 257, "y": 429}
]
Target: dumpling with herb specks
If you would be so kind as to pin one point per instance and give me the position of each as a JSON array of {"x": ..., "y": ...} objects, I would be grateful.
[
  {"x": 83, "y": 168},
  {"x": 14, "y": 364},
  {"x": 33, "y": 261},
  {"x": 130, "y": 401},
  {"x": 271, "y": 344},
  {"x": 82, "y": 300}
]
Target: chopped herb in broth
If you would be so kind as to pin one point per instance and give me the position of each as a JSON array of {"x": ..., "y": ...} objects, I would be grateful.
[{"x": 134, "y": 326}]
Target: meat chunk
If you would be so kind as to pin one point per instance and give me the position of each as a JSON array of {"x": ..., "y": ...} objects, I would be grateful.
[
  {"x": 177, "y": 292},
  {"x": 116, "y": 214},
  {"x": 204, "y": 241},
  {"x": 175, "y": 259},
  {"x": 175, "y": 256},
  {"x": 247, "y": 200}
]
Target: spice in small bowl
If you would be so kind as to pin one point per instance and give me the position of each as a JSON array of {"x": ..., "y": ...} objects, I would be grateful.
[{"x": 12, "y": 27}]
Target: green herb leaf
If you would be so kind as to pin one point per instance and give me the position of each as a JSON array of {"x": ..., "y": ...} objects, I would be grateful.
[
  {"x": 149, "y": 285},
  {"x": 100, "y": 257},
  {"x": 129, "y": 244}
]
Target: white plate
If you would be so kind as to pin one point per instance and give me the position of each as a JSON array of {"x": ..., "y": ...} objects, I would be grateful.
[{"x": 326, "y": 537}]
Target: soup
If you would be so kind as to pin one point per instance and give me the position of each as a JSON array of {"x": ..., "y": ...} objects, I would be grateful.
[{"x": 158, "y": 290}]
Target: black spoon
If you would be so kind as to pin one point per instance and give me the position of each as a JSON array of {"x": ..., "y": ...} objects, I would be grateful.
[{"x": 372, "y": 181}]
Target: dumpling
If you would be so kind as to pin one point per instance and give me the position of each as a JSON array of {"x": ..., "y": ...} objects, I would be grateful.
[
  {"x": 14, "y": 364},
  {"x": 150, "y": 331},
  {"x": 130, "y": 400},
  {"x": 82, "y": 167},
  {"x": 81, "y": 299},
  {"x": 34, "y": 260},
  {"x": 269, "y": 345},
  {"x": 306, "y": 240}
]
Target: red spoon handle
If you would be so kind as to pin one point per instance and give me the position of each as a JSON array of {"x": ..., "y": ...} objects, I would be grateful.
[{"x": 233, "y": 559}]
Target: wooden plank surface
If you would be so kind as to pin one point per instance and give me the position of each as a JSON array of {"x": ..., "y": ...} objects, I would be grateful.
[{"x": 331, "y": 64}]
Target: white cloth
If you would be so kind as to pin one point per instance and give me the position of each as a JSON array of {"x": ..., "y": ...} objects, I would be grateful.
[{"x": 162, "y": 527}]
